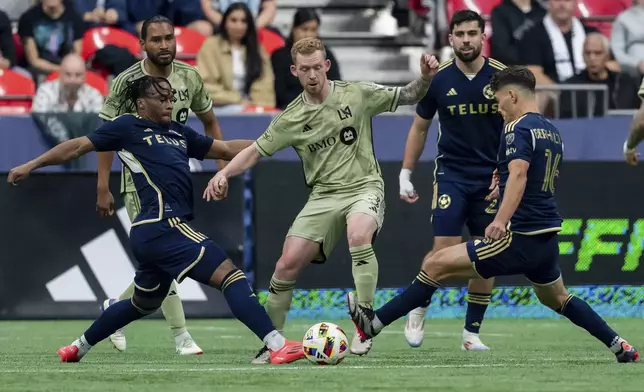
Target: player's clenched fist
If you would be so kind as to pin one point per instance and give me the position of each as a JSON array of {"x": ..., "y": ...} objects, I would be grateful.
[
  {"x": 407, "y": 191},
  {"x": 428, "y": 65},
  {"x": 496, "y": 230},
  {"x": 217, "y": 188},
  {"x": 19, "y": 173}
]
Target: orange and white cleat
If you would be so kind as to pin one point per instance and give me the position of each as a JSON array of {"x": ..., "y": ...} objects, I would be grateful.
[
  {"x": 290, "y": 352},
  {"x": 68, "y": 354}
]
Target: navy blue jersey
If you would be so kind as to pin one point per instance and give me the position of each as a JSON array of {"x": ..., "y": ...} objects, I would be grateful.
[
  {"x": 534, "y": 139},
  {"x": 469, "y": 124},
  {"x": 157, "y": 155}
]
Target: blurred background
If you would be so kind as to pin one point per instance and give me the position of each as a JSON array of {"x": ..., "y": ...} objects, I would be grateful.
[{"x": 58, "y": 259}]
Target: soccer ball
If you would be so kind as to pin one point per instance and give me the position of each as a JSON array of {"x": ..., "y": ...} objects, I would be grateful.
[{"x": 325, "y": 344}]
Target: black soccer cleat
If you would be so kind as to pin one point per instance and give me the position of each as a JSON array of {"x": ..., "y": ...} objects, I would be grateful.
[
  {"x": 362, "y": 317},
  {"x": 627, "y": 353}
]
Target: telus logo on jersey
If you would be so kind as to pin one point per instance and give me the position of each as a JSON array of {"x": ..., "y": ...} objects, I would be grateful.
[
  {"x": 473, "y": 108},
  {"x": 160, "y": 139}
]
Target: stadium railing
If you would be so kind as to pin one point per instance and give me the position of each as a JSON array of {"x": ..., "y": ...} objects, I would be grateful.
[{"x": 574, "y": 89}]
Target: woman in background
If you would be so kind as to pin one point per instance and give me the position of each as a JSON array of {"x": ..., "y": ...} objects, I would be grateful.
[
  {"x": 235, "y": 68},
  {"x": 306, "y": 23}
]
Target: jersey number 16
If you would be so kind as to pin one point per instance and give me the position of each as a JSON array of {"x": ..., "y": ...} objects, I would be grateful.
[{"x": 552, "y": 171}]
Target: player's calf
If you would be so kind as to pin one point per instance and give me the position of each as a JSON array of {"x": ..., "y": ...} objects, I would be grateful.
[
  {"x": 361, "y": 229},
  {"x": 555, "y": 296},
  {"x": 114, "y": 317},
  {"x": 243, "y": 302}
]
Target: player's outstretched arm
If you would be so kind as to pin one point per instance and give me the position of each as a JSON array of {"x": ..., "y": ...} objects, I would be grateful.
[
  {"x": 217, "y": 188},
  {"x": 416, "y": 90},
  {"x": 514, "y": 188},
  {"x": 413, "y": 149},
  {"x": 634, "y": 137},
  {"x": 64, "y": 152},
  {"x": 227, "y": 150}
]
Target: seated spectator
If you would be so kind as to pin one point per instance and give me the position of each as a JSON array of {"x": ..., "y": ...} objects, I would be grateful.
[
  {"x": 306, "y": 24},
  {"x": 235, "y": 69},
  {"x": 622, "y": 89},
  {"x": 510, "y": 22},
  {"x": 627, "y": 39},
  {"x": 8, "y": 57},
  {"x": 49, "y": 32},
  {"x": 68, "y": 93},
  {"x": 553, "y": 49},
  {"x": 104, "y": 13},
  {"x": 263, "y": 11},
  {"x": 184, "y": 13}
]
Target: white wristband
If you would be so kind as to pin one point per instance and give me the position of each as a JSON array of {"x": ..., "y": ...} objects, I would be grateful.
[{"x": 405, "y": 174}]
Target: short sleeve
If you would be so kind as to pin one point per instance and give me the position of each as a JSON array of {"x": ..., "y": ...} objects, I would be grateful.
[
  {"x": 274, "y": 138},
  {"x": 113, "y": 102},
  {"x": 109, "y": 136},
  {"x": 378, "y": 98},
  {"x": 427, "y": 106},
  {"x": 25, "y": 24},
  {"x": 519, "y": 144},
  {"x": 201, "y": 102},
  {"x": 198, "y": 144}
]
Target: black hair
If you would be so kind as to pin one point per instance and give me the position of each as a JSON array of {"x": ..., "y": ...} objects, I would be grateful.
[
  {"x": 153, "y": 20},
  {"x": 520, "y": 76},
  {"x": 303, "y": 15},
  {"x": 253, "y": 57},
  {"x": 142, "y": 88},
  {"x": 463, "y": 16}
]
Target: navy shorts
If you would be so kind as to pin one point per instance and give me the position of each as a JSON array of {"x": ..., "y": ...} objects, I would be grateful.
[
  {"x": 534, "y": 256},
  {"x": 455, "y": 205},
  {"x": 171, "y": 249}
]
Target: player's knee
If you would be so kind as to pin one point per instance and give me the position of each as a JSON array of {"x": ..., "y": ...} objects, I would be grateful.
[
  {"x": 435, "y": 265},
  {"x": 552, "y": 298},
  {"x": 359, "y": 238},
  {"x": 146, "y": 303}
]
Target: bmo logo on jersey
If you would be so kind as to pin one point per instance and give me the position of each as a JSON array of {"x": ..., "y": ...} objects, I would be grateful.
[
  {"x": 322, "y": 144},
  {"x": 348, "y": 135}
]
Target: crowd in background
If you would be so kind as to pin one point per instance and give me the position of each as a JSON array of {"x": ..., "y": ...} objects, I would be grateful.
[{"x": 239, "y": 70}]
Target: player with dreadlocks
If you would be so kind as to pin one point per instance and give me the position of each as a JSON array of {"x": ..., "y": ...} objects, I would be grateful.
[
  {"x": 189, "y": 94},
  {"x": 156, "y": 151}
]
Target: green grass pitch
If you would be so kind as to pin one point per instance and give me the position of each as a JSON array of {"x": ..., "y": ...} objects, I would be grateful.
[{"x": 527, "y": 355}]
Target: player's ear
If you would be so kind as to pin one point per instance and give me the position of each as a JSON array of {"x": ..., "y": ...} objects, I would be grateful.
[
  {"x": 327, "y": 64},
  {"x": 451, "y": 40},
  {"x": 293, "y": 71}
]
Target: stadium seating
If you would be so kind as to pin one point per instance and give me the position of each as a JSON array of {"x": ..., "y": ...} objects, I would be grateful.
[
  {"x": 188, "y": 44},
  {"x": 601, "y": 13},
  {"x": 483, "y": 7},
  {"x": 16, "y": 92},
  {"x": 91, "y": 78},
  {"x": 270, "y": 40},
  {"x": 96, "y": 39}
]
